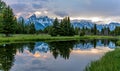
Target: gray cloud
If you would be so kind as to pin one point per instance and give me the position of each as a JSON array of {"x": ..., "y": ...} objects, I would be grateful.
[
  {"x": 97, "y": 8},
  {"x": 19, "y": 7},
  {"x": 42, "y": 0},
  {"x": 73, "y": 8},
  {"x": 61, "y": 13},
  {"x": 37, "y": 6}
]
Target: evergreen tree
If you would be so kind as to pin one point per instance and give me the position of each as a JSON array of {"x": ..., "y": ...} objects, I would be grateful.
[
  {"x": 117, "y": 31},
  {"x": 102, "y": 32},
  {"x": 32, "y": 28},
  {"x": 66, "y": 28},
  {"x": 95, "y": 29},
  {"x": 62, "y": 31},
  {"x": 71, "y": 31},
  {"x": 108, "y": 31},
  {"x": 2, "y": 7},
  {"x": 55, "y": 28},
  {"x": 1, "y": 24},
  {"x": 82, "y": 32},
  {"x": 47, "y": 29},
  {"x": 20, "y": 26},
  {"x": 7, "y": 57},
  {"x": 77, "y": 31},
  {"x": 8, "y": 21},
  {"x": 105, "y": 31},
  {"x": 27, "y": 29}
]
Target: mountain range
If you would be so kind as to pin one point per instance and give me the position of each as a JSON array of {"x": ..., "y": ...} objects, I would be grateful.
[{"x": 43, "y": 21}]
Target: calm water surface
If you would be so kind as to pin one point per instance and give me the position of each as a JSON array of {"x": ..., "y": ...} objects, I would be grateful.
[{"x": 52, "y": 56}]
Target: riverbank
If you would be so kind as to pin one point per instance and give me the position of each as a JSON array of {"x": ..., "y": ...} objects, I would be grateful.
[
  {"x": 118, "y": 42},
  {"x": 45, "y": 37},
  {"x": 109, "y": 62}
]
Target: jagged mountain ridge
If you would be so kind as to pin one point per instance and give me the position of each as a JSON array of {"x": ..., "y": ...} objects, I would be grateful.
[
  {"x": 43, "y": 21},
  {"x": 40, "y": 22}
]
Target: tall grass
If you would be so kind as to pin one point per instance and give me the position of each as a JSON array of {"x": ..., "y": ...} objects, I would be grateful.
[
  {"x": 109, "y": 62},
  {"x": 118, "y": 42},
  {"x": 45, "y": 37}
]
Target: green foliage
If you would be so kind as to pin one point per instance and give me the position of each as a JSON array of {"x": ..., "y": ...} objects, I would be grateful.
[
  {"x": 1, "y": 29},
  {"x": 62, "y": 49},
  {"x": 105, "y": 31},
  {"x": 40, "y": 32},
  {"x": 95, "y": 29},
  {"x": 2, "y": 6},
  {"x": 54, "y": 29},
  {"x": 117, "y": 31},
  {"x": 47, "y": 30},
  {"x": 53, "y": 32},
  {"x": 32, "y": 28},
  {"x": 46, "y": 37},
  {"x": 109, "y": 62},
  {"x": 82, "y": 33},
  {"x": 9, "y": 25},
  {"x": 23, "y": 28},
  {"x": 77, "y": 31},
  {"x": 64, "y": 28},
  {"x": 118, "y": 42},
  {"x": 9, "y": 21},
  {"x": 6, "y": 57},
  {"x": 20, "y": 27}
]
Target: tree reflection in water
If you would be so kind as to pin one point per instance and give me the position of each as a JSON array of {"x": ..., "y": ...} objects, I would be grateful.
[
  {"x": 62, "y": 48},
  {"x": 7, "y": 53},
  {"x": 57, "y": 48}
]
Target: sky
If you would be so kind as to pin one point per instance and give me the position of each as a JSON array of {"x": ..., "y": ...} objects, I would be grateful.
[{"x": 100, "y": 11}]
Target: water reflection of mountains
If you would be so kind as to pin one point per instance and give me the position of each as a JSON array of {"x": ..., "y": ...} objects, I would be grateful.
[
  {"x": 59, "y": 48},
  {"x": 82, "y": 45}
]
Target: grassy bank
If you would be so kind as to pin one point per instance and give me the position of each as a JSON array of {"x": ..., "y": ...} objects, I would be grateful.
[
  {"x": 44, "y": 37},
  {"x": 118, "y": 42},
  {"x": 109, "y": 62}
]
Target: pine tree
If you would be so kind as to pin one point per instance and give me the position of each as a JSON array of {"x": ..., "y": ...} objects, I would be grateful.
[
  {"x": 8, "y": 21},
  {"x": 32, "y": 28},
  {"x": 61, "y": 31},
  {"x": 54, "y": 31},
  {"x": 77, "y": 31},
  {"x": 1, "y": 24},
  {"x": 108, "y": 31},
  {"x": 95, "y": 29},
  {"x": 2, "y": 7},
  {"x": 20, "y": 26},
  {"x": 47, "y": 30},
  {"x": 82, "y": 32},
  {"x": 117, "y": 31},
  {"x": 66, "y": 28}
]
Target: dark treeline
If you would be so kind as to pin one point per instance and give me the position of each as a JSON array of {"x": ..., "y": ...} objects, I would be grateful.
[
  {"x": 65, "y": 28},
  {"x": 7, "y": 19},
  {"x": 23, "y": 28},
  {"x": 9, "y": 25}
]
